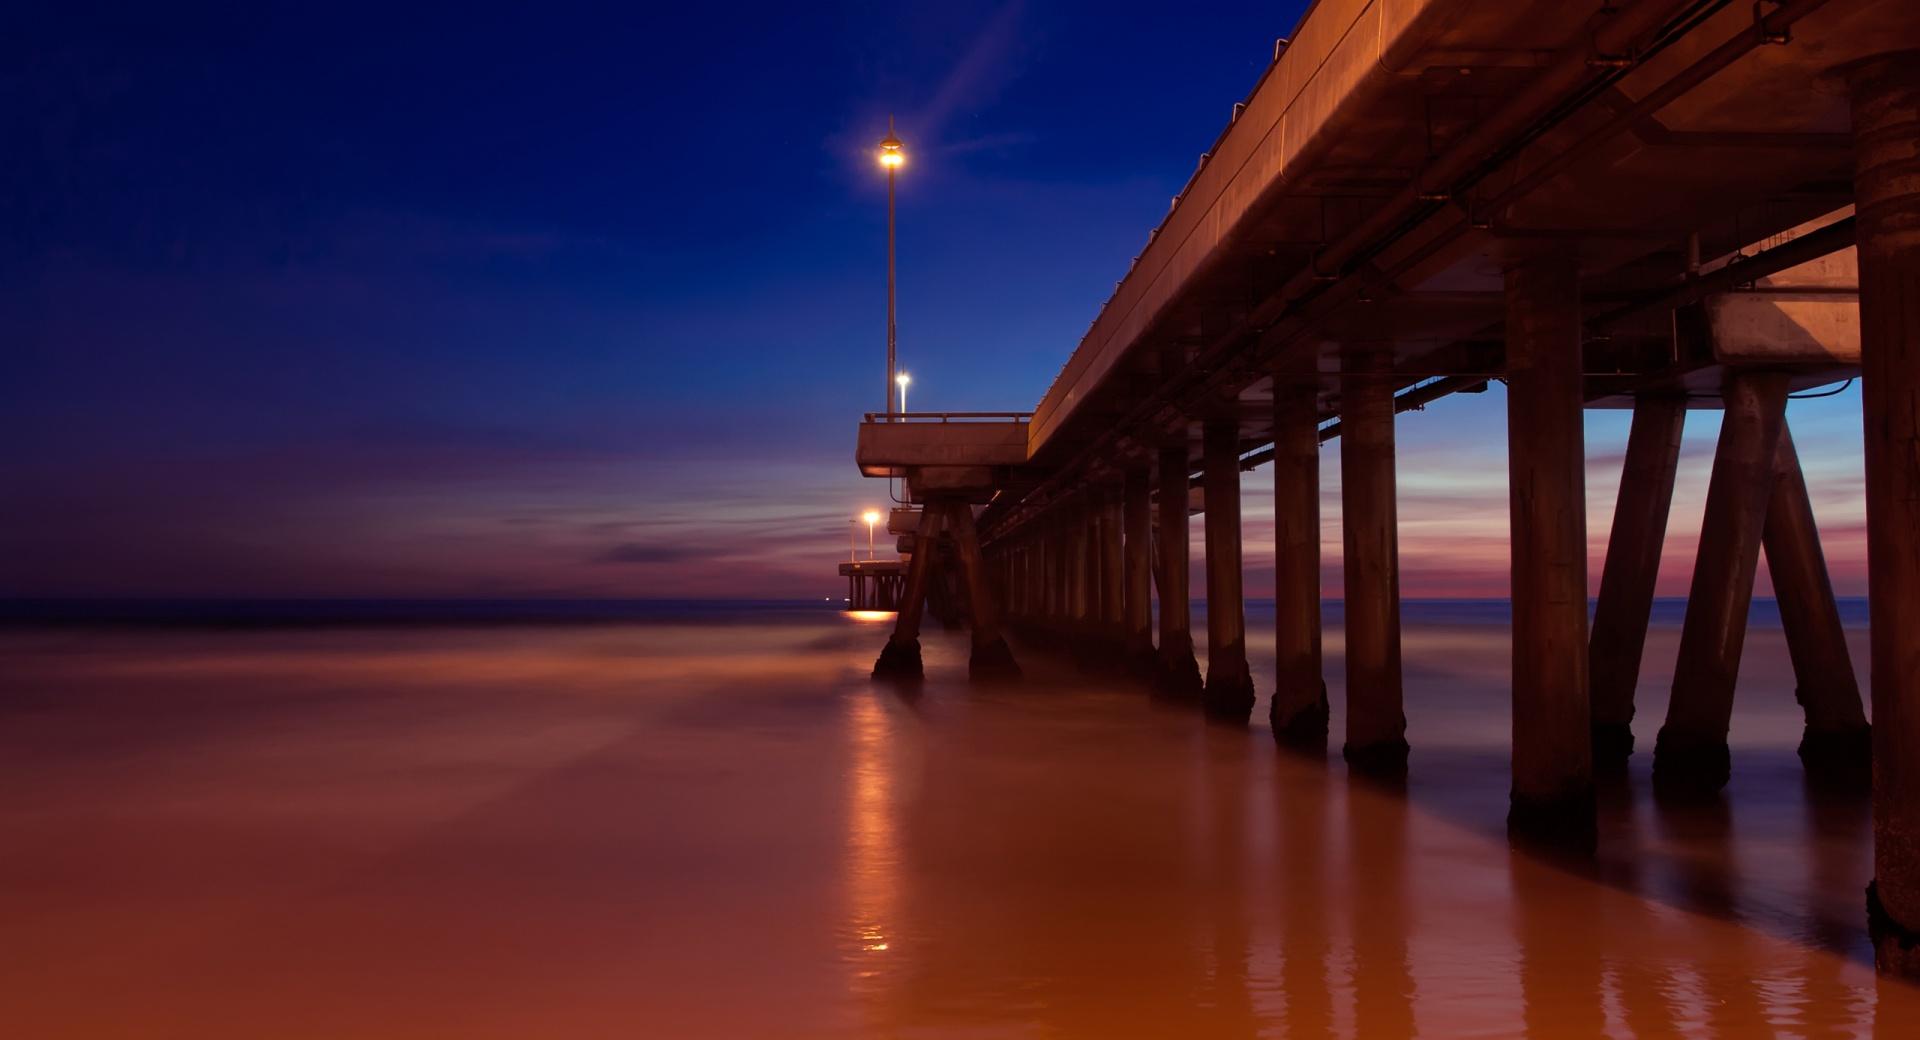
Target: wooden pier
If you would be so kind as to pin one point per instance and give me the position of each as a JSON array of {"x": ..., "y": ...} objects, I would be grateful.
[{"x": 1661, "y": 205}]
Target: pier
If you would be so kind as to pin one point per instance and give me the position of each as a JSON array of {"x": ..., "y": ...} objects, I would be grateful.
[{"x": 1655, "y": 205}]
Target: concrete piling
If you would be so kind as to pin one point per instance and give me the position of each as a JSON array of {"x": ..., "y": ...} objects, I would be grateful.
[
  {"x": 991, "y": 659},
  {"x": 1690, "y": 754},
  {"x": 1546, "y": 463},
  {"x": 1299, "y": 710},
  {"x": 1376, "y": 725},
  {"x": 1137, "y": 510},
  {"x": 1837, "y": 742},
  {"x": 1179, "y": 672},
  {"x": 1885, "y": 96},
  {"x": 900, "y": 658},
  {"x": 1229, "y": 693},
  {"x": 1625, "y": 605}
]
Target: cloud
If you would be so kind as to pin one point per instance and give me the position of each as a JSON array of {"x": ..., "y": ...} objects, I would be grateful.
[
  {"x": 643, "y": 552},
  {"x": 982, "y": 72}
]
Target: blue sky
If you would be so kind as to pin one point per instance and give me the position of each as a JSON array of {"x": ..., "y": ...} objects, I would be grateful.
[{"x": 549, "y": 300}]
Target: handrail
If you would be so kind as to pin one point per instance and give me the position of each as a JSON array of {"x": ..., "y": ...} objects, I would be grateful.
[{"x": 876, "y": 417}]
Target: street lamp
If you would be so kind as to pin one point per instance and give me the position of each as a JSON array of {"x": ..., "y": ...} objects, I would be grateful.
[
  {"x": 901, "y": 381},
  {"x": 891, "y": 157},
  {"x": 871, "y": 516}
]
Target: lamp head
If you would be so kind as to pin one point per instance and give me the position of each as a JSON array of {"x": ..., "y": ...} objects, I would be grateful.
[
  {"x": 871, "y": 516},
  {"x": 903, "y": 379},
  {"x": 892, "y": 155}
]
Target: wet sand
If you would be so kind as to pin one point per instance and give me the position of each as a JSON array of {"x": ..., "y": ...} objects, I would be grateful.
[{"x": 710, "y": 829}]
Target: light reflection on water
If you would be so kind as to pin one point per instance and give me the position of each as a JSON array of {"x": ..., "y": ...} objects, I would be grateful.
[{"x": 702, "y": 829}]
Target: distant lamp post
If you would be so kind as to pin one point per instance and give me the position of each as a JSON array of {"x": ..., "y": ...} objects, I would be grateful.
[
  {"x": 853, "y": 528},
  {"x": 871, "y": 516},
  {"x": 901, "y": 381},
  {"x": 892, "y": 156}
]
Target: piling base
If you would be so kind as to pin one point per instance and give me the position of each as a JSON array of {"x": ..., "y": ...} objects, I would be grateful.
[
  {"x": 1098, "y": 652},
  {"x": 1564, "y": 825},
  {"x": 899, "y": 659},
  {"x": 1180, "y": 679},
  {"x": 1229, "y": 700},
  {"x": 1896, "y": 947},
  {"x": 1612, "y": 744},
  {"x": 1143, "y": 662},
  {"x": 1838, "y": 757},
  {"x": 1384, "y": 760},
  {"x": 993, "y": 663},
  {"x": 1685, "y": 764},
  {"x": 1306, "y": 730}
]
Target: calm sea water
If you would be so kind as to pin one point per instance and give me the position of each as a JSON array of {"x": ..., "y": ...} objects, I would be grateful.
[{"x": 697, "y": 820}]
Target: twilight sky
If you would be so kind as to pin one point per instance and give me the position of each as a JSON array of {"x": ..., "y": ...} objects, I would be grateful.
[{"x": 546, "y": 301}]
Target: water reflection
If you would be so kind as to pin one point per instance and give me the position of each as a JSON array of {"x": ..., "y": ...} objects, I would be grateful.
[
  {"x": 726, "y": 830},
  {"x": 1080, "y": 863}
]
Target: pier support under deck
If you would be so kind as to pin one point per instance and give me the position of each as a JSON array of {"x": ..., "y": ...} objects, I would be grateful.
[
  {"x": 1299, "y": 710},
  {"x": 1627, "y": 579},
  {"x": 900, "y": 658},
  {"x": 991, "y": 659},
  {"x": 1376, "y": 723},
  {"x": 1837, "y": 742},
  {"x": 1081, "y": 577},
  {"x": 1111, "y": 639},
  {"x": 1690, "y": 755},
  {"x": 1137, "y": 515},
  {"x": 1885, "y": 94},
  {"x": 1229, "y": 691},
  {"x": 1546, "y": 465},
  {"x": 1179, "y": 673}
]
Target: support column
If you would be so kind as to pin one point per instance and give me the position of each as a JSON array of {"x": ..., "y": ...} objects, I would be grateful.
[
  {"x": 991, "y": 659},
  {"x": 1089, "y": 637},
  {"x": 1886, "y": 128},
  {"x": 1138, "y": 521},
  {"x": 1113, "y": 608},
  {"x": 1837, "y": 741},
  {"x": 900, "y": 659},
  {"x": 1074, "y": 544},
  {"x": 1690, "y": 755},
  {"x": 1229, "y": 691},
  {"x": 1066, "y": 568},
  {"x": 1179, "y": 673},
  {"x": 1627, "y": 579},
  {"x": 1547, "y": 502},
  {"x": 1299, "y": 710},
  {"x": 1376, "y": 725}
]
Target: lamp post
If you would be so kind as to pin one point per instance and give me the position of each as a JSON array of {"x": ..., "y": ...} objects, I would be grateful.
[
  {"x": 871, "y": 516},
  {"x": 901, "y": 381},
  {"x": 891, "y": 157},
  {"x": 853, "y": 528}
]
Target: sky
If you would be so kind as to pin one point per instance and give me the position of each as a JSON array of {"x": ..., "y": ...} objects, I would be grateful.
[{"x": 565, "y": 301}]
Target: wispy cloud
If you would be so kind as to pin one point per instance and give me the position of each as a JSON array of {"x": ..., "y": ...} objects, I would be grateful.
[{"x": 645, "y": 552}]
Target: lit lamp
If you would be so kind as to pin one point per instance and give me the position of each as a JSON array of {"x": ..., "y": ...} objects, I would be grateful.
[
  {"x": 901, "y": 381},
  {"x": 871, "y": 516}
]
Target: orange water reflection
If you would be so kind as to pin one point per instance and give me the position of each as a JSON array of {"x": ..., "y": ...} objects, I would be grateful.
[{"x": 728, "y": 831}]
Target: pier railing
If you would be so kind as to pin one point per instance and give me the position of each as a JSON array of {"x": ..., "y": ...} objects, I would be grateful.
[{"x": 925, "y": 417}]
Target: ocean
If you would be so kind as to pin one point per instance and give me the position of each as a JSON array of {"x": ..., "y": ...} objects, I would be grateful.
[{"x": 646, "y": 819}]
